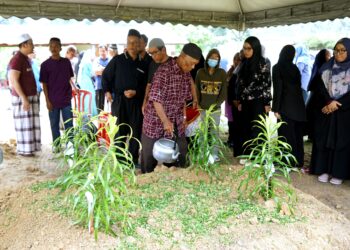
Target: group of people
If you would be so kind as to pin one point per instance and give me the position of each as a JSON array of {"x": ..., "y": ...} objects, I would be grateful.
[{"x": 150, "y": 92}]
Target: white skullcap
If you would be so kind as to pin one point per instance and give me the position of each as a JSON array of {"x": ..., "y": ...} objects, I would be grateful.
[{"x": 23, "y": 38}]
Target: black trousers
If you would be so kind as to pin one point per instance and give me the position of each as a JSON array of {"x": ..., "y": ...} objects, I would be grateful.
[
  {"x": 237, "y": 130},
  {"x": 128, "y": 111},
  {"x": 293, "y": 132},
  {"x": 100, "y": 99},
  {"x": 148, "y": 163},
  {"x": 230, "y": 131},
  {"x": 250, "y": 112}
]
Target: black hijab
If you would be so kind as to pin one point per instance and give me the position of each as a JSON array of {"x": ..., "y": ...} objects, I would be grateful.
[
  {"x": 285, "y": 62},
  {"x": 251, "y": 65}
]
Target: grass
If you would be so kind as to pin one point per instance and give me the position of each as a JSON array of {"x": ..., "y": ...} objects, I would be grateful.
[
  {"x": 176, "y": 210},
  {"x": 192, "y": 209}
]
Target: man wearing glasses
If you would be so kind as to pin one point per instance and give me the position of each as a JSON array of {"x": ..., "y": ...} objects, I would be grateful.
[
  {"x": 159, "y": 55},
  {"x": 165, "y": 108},
  {"x": 124, "y": 83}
]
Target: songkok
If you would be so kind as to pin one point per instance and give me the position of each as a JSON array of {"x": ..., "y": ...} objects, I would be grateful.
[
  {"x": 192, "y": 50},
  {"x": 156, "y": 43},
  {"x": 23, "y": 38},
  {"x": 113, "y": 46},
  {"x": 133, "y": 32}
]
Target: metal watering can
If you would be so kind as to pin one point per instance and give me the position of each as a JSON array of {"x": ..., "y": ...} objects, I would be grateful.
[{"x": 166, "y": 150}]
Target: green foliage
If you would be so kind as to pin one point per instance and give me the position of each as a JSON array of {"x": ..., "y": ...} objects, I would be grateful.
[
  {"x": 318, "y": 44},
  {"x": 101, "y": 172},
  {"x": 269, "y": 162},
  {"x": 200, "y": 152},
  {"x": 208, "y": 38}
]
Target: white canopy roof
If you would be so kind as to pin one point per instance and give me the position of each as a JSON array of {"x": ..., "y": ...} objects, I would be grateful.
[{"x": 237, "y": 14}]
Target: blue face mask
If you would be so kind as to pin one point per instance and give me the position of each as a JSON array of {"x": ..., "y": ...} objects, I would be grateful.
[{"x": 212, "y": 63}]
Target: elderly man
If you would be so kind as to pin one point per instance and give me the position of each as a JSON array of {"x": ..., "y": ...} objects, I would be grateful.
[
  {"x": 112, "y": 50},
  {"x": 159, "y": 55},
  {"x": 25, "y": 100},
  {"x": 165, "y": 109},
  {"x": 157, "y": 50},
  {"x": 124, "y": 81}
]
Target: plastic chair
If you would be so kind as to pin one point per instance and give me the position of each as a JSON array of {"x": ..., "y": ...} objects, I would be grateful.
[{"x": 79, "y": 100}]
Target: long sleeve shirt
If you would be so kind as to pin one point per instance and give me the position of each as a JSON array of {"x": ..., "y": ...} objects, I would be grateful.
[
  {"x": 211, "y": 89},
  {"x": 258, "y": 88},
  {"x": 123, "y": 73}
]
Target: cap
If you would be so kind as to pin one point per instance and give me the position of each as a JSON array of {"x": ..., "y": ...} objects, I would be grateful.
[
  {"x": 133, "y": 32},
  {"x": 113, "y": 46},
  {"x": 192, "y": 50},
  {"x": 23, "y": 38},
  {"x": 156, "y": 43}
]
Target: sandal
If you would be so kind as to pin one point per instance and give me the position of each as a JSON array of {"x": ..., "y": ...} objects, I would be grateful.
[{"x": 305, "y": 170}]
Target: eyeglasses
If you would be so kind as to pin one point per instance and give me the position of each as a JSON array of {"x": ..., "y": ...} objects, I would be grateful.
[
  {"x": 154, "y": 53},
  {"x": 339, "y": 51},
  {"x": 247, "y": 48}
]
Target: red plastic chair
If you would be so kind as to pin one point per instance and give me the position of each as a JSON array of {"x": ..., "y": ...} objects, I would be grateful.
[
  {"x": 79, "y": 100},
  {"x": 102, "y": 136}
]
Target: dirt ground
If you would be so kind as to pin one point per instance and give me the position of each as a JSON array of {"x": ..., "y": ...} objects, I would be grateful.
[{"x": 25, "y": 225}]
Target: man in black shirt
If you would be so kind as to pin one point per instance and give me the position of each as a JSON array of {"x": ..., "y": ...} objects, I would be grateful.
[
  {"x": 124, "y": 81},
  {"x": 142, "y": 50}
]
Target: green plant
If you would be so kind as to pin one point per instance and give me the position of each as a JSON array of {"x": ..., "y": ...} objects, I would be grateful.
[
  {"x": 205, "y": 142},
  {"x": 98, "y": 175},
  {"x": 268, "y": 163}
]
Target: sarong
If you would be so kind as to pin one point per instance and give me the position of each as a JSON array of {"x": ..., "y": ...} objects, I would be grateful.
[{"x": 27, "y": 125}]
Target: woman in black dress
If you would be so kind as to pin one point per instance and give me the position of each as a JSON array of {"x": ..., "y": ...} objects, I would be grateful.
[
  {"x": 254, "y": 88},
  {"x": 288, "y": 103}
]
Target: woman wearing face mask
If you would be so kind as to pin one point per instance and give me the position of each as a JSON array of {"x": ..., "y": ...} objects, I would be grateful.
[
  {"x": 331, "y": 148},
  {"x": 254, "y": 88},
  {"x": 212, "y": 88}
]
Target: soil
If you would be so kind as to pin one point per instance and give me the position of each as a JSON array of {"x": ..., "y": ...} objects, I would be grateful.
[{"x": 26, "y": 223}]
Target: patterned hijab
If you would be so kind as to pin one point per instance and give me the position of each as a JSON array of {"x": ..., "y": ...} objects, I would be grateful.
[{"x": 336, "y": 75}]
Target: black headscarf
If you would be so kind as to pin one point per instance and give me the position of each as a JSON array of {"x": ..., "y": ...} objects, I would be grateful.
[
  {"x": 251, "y": 65},
  {"x": 285, "y": 62},
  {"x": 320, "y": 59}
]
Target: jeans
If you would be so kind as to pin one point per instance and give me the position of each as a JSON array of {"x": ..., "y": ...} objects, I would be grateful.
[{"x": 54, "y": 116}]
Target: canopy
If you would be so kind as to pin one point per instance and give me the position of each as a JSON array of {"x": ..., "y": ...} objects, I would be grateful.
[{"x": 236, "y": 14}]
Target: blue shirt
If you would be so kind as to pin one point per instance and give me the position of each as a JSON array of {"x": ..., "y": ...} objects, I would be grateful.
[{"x": 98, "y": 79}]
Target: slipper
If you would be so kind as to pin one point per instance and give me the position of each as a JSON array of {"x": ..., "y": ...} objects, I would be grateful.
[
  {"x": 305, "y": 170},
  {"x": 323, "y": 178}
]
